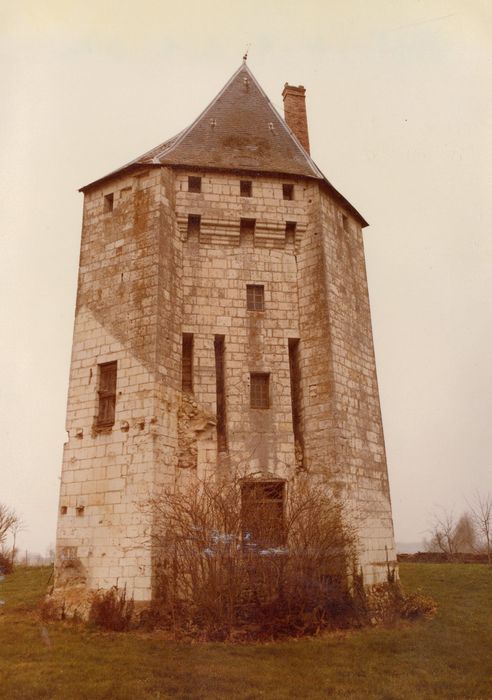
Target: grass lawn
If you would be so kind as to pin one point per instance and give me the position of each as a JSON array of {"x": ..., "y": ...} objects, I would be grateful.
[{"x": 447, "y": 657}]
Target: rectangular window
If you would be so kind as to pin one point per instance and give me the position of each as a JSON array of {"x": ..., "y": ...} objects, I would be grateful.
[
  {"x": 107, "y": 394},
  {"x": 194, "y": 221},
  {"x": 108, "y": 202},
  {"x": 69, "y": 553},
  {"x": 246, "y": 188},
  {"x": 194, "y": 184},
  {"x": 262, "y": 514},
  {"x": 255, "y": 297},
  {"x": 247, "y": 230},
  {"x": 259, "y": 390},
  {"x": 345, "y": 223},
  {"x": 288, "y": 191},
  {"x": 290, "y": 231},
  {"x": 219, "y": 348},
  {"x": 187, "y": 363}
]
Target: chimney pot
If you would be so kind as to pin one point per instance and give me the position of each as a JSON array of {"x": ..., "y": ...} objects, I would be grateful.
[{"x": 295, "y": 112}]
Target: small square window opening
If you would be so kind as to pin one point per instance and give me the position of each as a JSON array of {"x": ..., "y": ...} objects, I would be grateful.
[
  {"x": 194, "y": 184},
  {"x": 255, "y": 297},
  {"x": 108, "y": 202},
  {"x": 80, "y": 510},
  {"x": 63, "y": 510},
  {"x": 246, "y": 188},
  {"x": 288, "y": 191},
  {"x": 259, "y": 390}
]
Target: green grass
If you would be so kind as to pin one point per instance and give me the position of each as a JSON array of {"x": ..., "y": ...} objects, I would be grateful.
[{"x": 447, "y": 657}]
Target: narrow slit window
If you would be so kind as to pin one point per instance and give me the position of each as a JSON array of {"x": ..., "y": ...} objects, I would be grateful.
[
  {"x": 259, "y": 390},
  {"x": 288, "y": 191},
  {"x": 255, "y": 297},
  {"x": 108, "y": 202},
  {"x": 296, "y": 399},
  {"x": 219, "y": 348},
  {"x": 187, "y": 363},
  {"x": 246, "y": 188},
  {"x": 194, "y": 184},
  {"x": 194, "y": 222},
  {"x": 345, "y": 223},
  {"x": 262, "y": 515},
  {"x": 107, "y": 394}
]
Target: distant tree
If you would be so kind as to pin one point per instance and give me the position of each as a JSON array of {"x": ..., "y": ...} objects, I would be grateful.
[
  {"x": 481, "y": 514},
  {"x": 465, "y": 536},
  {"x": 16, "y": 527},
  {"x": 442, "y": 533},
  {"x": 8, "y": 520}
]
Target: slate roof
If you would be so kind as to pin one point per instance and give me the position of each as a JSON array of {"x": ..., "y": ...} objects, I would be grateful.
[{"x": 239, "y": 130}]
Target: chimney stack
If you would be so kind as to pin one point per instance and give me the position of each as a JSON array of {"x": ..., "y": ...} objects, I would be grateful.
[{"x": 295, "y": 112}]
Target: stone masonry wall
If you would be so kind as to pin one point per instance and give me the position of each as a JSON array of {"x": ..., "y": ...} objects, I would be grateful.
[
  {"x": 145, "y": 279},
  {"x": 342, "y": 420},
  {"x": 357, "y": 416},
  {"x": 102, "y": 533},
  {"x": 216, "y": 269}
]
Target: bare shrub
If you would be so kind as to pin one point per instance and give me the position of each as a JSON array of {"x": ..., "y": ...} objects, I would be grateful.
[
  {"x": 49, "y": 610},
  {"x": 8, "y": 521},
  {"x": 243, "y": 558},
  {"x": 111, "y": 610},
  {"x": 6, "y": 565},
  {"x": 471, "y": 533},
  {"x": 416, "y": 605},
  {"x": 442, "y": 533}
]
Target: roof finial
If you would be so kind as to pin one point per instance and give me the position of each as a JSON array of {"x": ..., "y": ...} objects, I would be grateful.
[{"x": 245, "y": 57}]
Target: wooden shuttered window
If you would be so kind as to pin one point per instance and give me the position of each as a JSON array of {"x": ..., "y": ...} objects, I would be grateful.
[
  {"x": 262, "y": 514},
  {"x": 107, "y": 394}
]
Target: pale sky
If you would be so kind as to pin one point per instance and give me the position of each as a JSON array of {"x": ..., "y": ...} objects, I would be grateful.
[{"x": 400, "y": 117}]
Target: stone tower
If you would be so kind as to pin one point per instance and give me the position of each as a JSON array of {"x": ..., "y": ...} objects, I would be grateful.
[{"x": 222, "y": 322}]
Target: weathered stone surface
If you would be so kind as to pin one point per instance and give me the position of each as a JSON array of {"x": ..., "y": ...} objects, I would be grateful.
[{"x": 144, "y": 280}]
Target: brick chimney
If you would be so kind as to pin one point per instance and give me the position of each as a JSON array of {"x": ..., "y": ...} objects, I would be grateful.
[{"x": 295, "y": 112}]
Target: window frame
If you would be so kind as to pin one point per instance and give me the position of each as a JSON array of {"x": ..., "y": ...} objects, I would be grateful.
[
  {"x": 106, "y": 394},
  {"x": 255, "y": 297},
  {"x": 259, "y": 398}
]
